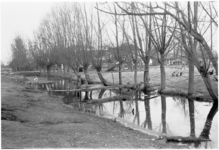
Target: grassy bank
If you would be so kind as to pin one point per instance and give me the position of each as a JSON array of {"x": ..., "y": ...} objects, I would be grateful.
[
  {"x": 179, "y": 84},
  {"x": 36, "y": 120}
]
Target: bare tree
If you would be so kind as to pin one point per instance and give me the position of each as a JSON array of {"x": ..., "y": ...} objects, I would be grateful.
[
  {"x": 185, "y": 25},
  {"x": 97, "y": 55},
  {"x": 202, "y": 66},
  {"x": 138, "y": 41},
  {"x": 116, "y": 51},
  {"x": 83, "y": 43},
  {"x": 135, "y": 57},
  {"x": 162, "y": 40},
  {"x": 117, "y": 46},
  {"x": 159, "y": 39},
  {"x": 146, "y": 52},
  {"x": 181, "y": 19}
]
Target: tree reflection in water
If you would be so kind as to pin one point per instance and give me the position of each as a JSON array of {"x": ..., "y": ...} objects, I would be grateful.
[
  {"x": 181, "y": 104},
  {"x": 100, "y": 106},
  {"x": 207, "y": 127},
  {"x": 136, "y": 109},
  {"x": 59, "y": 84},
  {"x": 122, "y": 111},
  {"x": 86, "y": 96},
  {"x": 192, "y": 117},
  {"x": 163, "y": 114},
  {"x": 189, "y": 110},
  {"x": 56, "y": 85},
  {"x": 147, "y": 121}
]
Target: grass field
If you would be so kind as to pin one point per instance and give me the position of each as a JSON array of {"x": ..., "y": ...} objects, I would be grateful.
[{"x": 180, "y": 83}]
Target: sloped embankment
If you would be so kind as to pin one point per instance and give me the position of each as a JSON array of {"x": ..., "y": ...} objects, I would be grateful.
[{"x": 35, "y": 120}]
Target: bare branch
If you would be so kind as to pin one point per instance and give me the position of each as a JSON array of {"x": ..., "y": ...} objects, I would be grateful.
[{"x": 209, "y": 14}]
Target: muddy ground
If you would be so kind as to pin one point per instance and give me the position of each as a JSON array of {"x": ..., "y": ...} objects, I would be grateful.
[{"x": 35, "y": 120}]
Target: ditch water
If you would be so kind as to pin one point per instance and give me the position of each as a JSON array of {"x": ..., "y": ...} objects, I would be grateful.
[{"x": 170, "y": 115}]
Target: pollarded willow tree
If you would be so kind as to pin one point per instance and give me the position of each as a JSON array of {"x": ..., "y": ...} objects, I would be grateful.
[
  {"x": 62, "y": 38},
  {"x": 113, "y": 10},
  {"x": 189, "y": 27},
  {"x": 145, "y": 52},
  {"x": 97, "y": 50},
  {"x": 139, "y": 38},
  {"x": 156, "y": 34},
  {"x": 192, "y": 52},
  {"x": 83, "y": 41},
  {"x": 119, "y": 57},
  {"x": 181, "y": 18},
  {"x": 162, "y": 40},
  {"x": 134, "y": 37}
]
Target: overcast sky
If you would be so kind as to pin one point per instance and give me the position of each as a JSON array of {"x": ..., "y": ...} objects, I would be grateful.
[{"x": 20, "y": 18}]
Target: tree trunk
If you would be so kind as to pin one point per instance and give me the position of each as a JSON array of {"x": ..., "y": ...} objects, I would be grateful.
[
  {"x": 101, "y": 93},
  {"x": 75, "y": 70},
  {"x": 120, "y": 74},
  {"x": 64, "y": 69},
  {"x": 78, "y": 86},
  {"x": 193, "y": 44},
  {"x": 87, "y": 76},
  {"x": 135, "y": 44},
  {"x": 86, "y": 96},
  {"x": 209, "y": 87},
  {"x": 78, "y": 82},
  {"x": 40, "y": 71},
  {"x": 120, "y": 77},
  {"x": 135, "y": 73},
  {"x": 103, "y": 81},
  {"x": 59, "y": 70},
  {"x": 210, "y": 54},
  {"x": 146, "y": 73},
  {"x": 48, "y": 70},
  {"x": 162, "y": 71},
  {"x": 206, "y": 131},
  {"x": 117, "y": 48},
  {"x": 191, "y": 77},
  {"x": 44, "y": 69},
  {"x": 63, "y": 86}
]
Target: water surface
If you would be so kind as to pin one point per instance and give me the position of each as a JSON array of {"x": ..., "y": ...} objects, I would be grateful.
[{"x": 170, "y": 115}]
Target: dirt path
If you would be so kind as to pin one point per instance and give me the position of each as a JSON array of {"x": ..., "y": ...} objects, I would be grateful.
[{"x": 35, "y": 120}]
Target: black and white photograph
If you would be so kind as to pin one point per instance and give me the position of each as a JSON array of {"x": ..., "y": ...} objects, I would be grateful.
[{"x": 109, "y": 74}]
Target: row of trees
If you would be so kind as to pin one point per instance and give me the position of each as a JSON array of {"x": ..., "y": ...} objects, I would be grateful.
[
  {"x": 76, "y": 34},
  {"x": 189, "y": 34}
]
